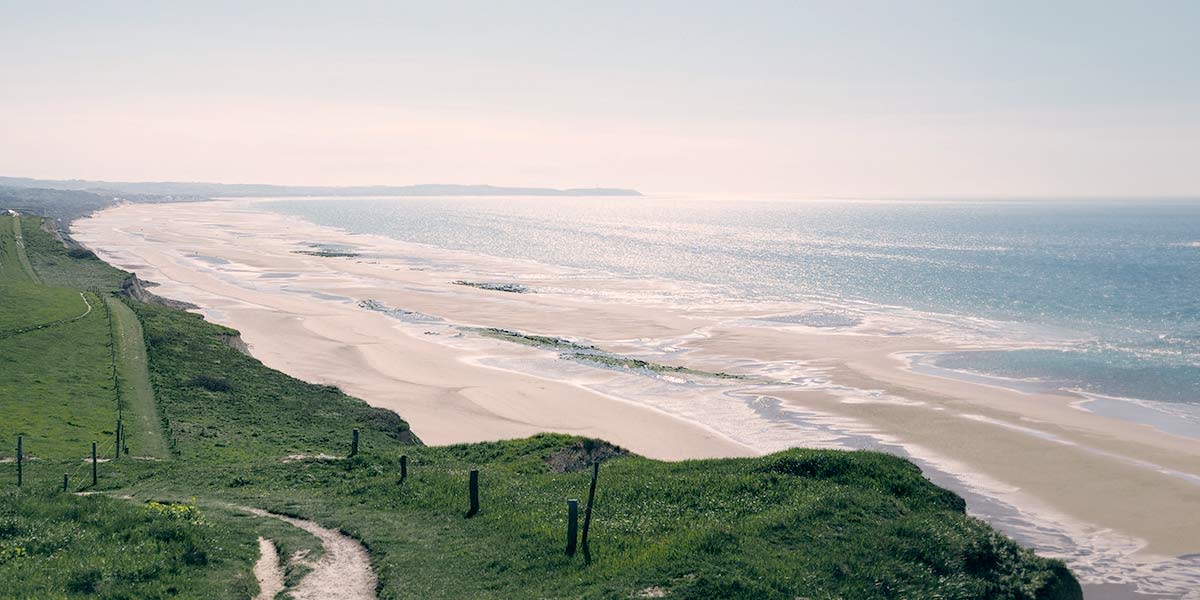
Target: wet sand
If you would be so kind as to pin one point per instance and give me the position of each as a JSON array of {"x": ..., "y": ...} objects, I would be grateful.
[{"x": 1114, "y": 498}]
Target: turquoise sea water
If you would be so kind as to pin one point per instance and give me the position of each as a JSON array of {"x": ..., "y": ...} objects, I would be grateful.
[{"x": 1097, "y": 296}]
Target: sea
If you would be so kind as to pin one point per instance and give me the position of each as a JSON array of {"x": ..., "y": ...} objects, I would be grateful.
[{"x": 1098, "y": 297}]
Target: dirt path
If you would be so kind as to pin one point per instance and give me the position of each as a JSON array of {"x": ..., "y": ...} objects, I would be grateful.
[
  {"x": 267, "y": 571},
  {"x": 342, "y": 573}
]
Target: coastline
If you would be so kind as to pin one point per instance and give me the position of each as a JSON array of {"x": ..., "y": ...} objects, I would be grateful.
[
  {"x": 1067, "y": 474},
  {"x": 1155, "y": 414}
]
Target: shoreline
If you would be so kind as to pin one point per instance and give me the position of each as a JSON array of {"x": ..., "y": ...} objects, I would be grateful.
[
  {"x": 456, "y": 388},
  {"x": 1148, "y": 413}
]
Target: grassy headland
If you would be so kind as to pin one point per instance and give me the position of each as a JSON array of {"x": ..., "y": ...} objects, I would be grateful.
[{"x": 800, "y": 523}]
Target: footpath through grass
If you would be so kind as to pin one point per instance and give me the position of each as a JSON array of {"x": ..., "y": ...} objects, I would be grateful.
[
  {"x": 19, "y": 245},
  {"x": 800, "y": 523},
  {"x": 63, "y": 386},
  {"x": 55, "y": 545},
  {"x": 819, "y": 524},
  {"x": 141, "y": 424}
]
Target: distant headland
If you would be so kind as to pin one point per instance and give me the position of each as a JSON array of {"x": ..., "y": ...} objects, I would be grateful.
[{"x": 210, "y": 190}]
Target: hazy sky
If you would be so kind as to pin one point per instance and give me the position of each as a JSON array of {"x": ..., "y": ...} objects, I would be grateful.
[{"x": 833, "y": 98}]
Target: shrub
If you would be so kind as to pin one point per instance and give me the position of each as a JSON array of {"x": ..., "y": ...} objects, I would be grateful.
[
  {"x": 212, "y": 384},
  {"x": 81, "y": 253}
]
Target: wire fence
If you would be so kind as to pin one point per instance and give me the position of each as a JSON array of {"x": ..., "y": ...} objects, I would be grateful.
[
  {"x": 81, "y": 467},
  {"x": 114, "y": 359},
  {"x": 120, "y": 435}
]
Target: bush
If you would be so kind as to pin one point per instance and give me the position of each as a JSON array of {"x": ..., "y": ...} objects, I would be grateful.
[
  {"x": 81, "y": 253},
  {"x": 212, "y": 384}
]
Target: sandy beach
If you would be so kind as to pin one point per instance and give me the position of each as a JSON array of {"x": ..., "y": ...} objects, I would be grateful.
[{"x": 1115, "y": 498}]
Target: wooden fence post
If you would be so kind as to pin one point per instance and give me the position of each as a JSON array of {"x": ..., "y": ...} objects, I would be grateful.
[
  {"x": 64, "y": 482},
  {"x": 587, "y": 513},
  {"x": 572, "y": 525},
  {"x": 20, "y": 459},
  {"x": 354, "y": 442},
  {"x": 473, "y": 489},
  {"x": 403, "y": 467},
  {"x": 93, "y": 463}
]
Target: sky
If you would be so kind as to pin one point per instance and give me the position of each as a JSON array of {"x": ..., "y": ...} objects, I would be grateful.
[{"x": 811, "y": 99}]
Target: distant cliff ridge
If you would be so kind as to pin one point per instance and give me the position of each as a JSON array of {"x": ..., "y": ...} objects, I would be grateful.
[{"x": 210, "y": 190}]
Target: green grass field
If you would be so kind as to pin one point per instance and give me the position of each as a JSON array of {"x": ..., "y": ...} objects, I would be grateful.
[
  {"x": 801, "y": 523},
  {"x": 24, "y": 301},
  {"x": 58, "y": 387}
]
